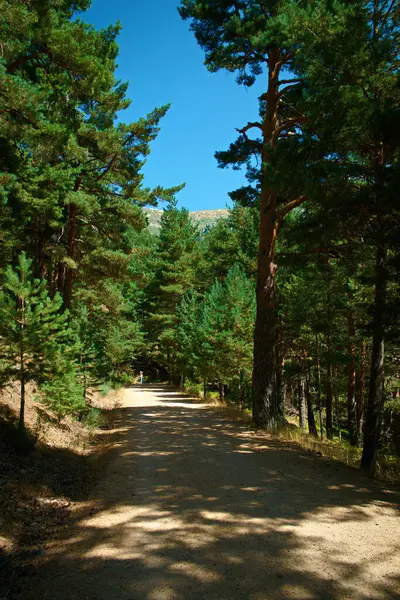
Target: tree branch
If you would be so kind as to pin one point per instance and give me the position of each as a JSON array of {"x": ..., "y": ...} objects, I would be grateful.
[
  {"x": 286, "y": 89},
  {"x": 288, "y": 124},
  {"x": 254, "y": 125},
  {"x": 20, "y": 61},
  {"x": 285, "y": 210},
  {"x": 287, "y": 81},
  {"x": 331, "y": 251}
]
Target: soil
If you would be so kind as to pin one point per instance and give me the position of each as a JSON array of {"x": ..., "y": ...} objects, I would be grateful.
[
  {"x": 193, "y": 505},
  {"x": 46, "y": 473}
]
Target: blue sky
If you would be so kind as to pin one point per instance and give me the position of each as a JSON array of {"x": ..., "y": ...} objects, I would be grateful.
[{"x": 160, "y": 58}]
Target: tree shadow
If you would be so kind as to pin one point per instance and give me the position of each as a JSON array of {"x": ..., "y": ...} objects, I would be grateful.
[{"x": 194, "y": 505}]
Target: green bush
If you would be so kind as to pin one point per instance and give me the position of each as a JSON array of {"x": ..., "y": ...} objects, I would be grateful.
[
  {"x": 105, "y": 389},
  {"x": 92, "y": 418},
  {"x": 64, "y": 395}
]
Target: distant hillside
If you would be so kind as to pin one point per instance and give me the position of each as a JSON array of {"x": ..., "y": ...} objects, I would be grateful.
[{"x": 202, "y": 218}]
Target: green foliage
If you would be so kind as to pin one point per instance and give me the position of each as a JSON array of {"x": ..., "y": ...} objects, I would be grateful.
[
  {"x": 64, "y": 395},
  {"x": 228, "y": 323},
  {"x": 101, "y": 298},
  {"x": 32, "y": 329},
  {"x": 215, "y": 333},
  {"x": 173, "y": 276}
]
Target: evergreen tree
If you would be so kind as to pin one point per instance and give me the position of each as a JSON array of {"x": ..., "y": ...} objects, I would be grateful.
[
  {"x": 173, "y": 276},
  {"x": 230, "y": 241},
  {"x": 247, "y": 37},
  {"x": 31, "y": 328},
  {"x": 227, "y": 330},
  {"x": 348, "y": 155}
]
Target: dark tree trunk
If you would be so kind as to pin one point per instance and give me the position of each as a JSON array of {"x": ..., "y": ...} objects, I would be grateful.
[
  {"x": 361, "y": 395},
  {"x": 312, "y": 427},
  {"x": 22, "y": 374},
  {"x": 337, "y": 413},
  {"x": 279, "y": 366},
  {"x": 221, "y": 388},
  {"x": 264, "y": 393},
  {"x": 302, "y": 403},
  {"x": 284, "y": 395},
  {"x": 375, "y": 392},
  {"x": 351, "y": 382},
  {"x": 69, "y": 276},
  {"x": 205, "y": 388},
  {"x": 329, "y": 391},
  {"x": 60, "y": 278},
  {"x": 22, "y": 405},
  {"x": 319, "y": 388}
]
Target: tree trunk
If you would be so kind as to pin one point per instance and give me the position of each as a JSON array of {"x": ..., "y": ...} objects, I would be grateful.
[
  {"x": 312, "y": 427},
  {"x": 279, "y": 366},
  {"x": 337, "y": 415},
  {"x": 375, "y": 392},
  {"x": 205, "y": 388},
  {"x": 302, "y": 403},
  {"x": 351, "y": 382},
  {"x": 22, "y": 361},
  {"x": 60, "y": 278},
  {"x": 329, "y": 391},
  {"x": 319, "y": 388},
  {"x": 221, "y": 388},
  {"x": 264, "y": 394},
  {"x": 69, "y": 275},
  {"x": 361, "y": 395}
]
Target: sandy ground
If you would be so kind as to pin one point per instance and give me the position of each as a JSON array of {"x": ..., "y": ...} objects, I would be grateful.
[{"x": 194, "y": 505}]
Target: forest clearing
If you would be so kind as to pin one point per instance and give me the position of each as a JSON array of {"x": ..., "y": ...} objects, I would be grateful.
[{"x": 199, "y": 359}]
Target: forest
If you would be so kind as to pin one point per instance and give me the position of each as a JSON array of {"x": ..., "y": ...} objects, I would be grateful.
[{"x": 286, "y": 309}]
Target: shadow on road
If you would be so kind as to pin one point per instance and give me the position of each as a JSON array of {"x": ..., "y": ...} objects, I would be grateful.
[{"x": 193, "y": 505}]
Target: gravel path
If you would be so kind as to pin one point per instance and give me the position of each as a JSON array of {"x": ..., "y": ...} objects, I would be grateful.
[{"x": 193, "y": 505}]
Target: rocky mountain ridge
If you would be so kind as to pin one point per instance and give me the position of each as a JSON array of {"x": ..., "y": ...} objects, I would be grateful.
[{"x": 202, "y": 218}]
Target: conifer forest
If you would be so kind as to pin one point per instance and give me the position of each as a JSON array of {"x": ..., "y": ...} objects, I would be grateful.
[
  {"x": 284, "y": 310},
  {"x": 292, "y": 300}
]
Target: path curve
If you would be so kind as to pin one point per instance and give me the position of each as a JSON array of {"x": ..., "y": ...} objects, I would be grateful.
[{"x": 195, "y": 506}]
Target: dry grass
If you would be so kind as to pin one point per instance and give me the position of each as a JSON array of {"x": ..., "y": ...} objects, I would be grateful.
[{"x": 387, "y": 468}]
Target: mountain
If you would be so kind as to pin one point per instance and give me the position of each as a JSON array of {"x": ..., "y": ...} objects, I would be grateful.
[{"x": 202, "y": 218}]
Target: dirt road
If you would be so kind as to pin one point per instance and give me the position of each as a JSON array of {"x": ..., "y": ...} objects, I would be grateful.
[{"x": 193, "y": 505}]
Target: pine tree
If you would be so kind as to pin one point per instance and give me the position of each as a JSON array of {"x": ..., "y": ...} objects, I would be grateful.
[
  {"x": 246, "y": 37},
  {"x": 229, "y": 241},
  {"x": 227, "y": 329},
  {"x": 31, "y": 328},
  {"x": 71, "y": 179},
  {"x": 349, "y": 150},
  {"x": 173, "y": 277}
]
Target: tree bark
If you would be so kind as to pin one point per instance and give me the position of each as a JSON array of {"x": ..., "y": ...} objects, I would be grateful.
[
  {"x": 319, "y": 388},
  {"x": 375, "y": 392},
  {"x": 361, "y": 395},
  {"x": 351, "y": 382},
  {"x": 337, "y": 413},
  {"x": 22, "y": 360},
  {"x": 60, "y": 278},
  {"x": 302, "y": 403},
  {"x": 329, "y": 391},
  {"x": 264, "y": 393},
  {"x": 205, "y": 388},
  {"x": 279, "y": 366},
  {"x": 312, "y": 427},
  {"x": 71, "y": 244}
]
